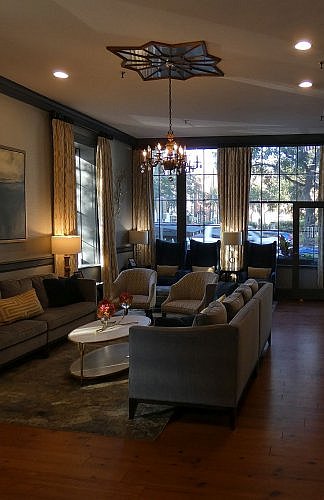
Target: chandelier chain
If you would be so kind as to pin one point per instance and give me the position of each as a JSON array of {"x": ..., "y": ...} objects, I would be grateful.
[
  {"x": 173, "y": 157},
  {"x": 170, "y": 102}
]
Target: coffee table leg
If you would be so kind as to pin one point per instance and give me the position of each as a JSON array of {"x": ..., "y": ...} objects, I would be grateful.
[{"x": 81, "y": 349}]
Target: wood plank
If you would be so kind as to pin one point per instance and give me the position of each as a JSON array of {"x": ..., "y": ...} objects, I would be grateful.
[{"x": 277, "y": 449}]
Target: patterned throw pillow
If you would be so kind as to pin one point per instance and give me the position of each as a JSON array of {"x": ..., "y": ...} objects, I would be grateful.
[{"x": 22, "y": 306}]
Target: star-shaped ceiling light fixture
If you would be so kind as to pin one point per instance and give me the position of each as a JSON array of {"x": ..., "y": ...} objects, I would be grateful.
[
  {"x": 180, "y": 61},
  {"x": 152, "y": 60}
]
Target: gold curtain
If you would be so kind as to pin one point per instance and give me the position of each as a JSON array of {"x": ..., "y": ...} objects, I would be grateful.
[
  {"x": 321, "y": 221},
  {"x": 234, "y": 172},
  {"x": 107, "y": 231},
  {"x": 65, "y": 212},
  {"x": 143, "y": 212}
]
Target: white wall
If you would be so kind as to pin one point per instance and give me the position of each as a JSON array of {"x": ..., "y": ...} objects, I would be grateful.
[
  {"x": 27, "y": 128},
  {"x": 122, "y": 178}
]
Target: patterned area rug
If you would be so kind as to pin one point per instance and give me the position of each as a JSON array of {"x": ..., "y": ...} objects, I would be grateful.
[{"x": 41, "y": 393}]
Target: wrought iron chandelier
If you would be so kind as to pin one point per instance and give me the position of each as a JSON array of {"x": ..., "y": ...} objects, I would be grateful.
[
  {"x": 172, "y": 157},
  {"x": 154, "y": 61}
]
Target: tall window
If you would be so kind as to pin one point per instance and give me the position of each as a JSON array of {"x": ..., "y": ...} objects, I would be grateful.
[
  {"x": 280, "y": 176},
  {"x": 87, "y": 204},
  {"x": 165, "y": 205},
  {"x": 202, "y": 212},
  {"x": 201, "y": 200}
]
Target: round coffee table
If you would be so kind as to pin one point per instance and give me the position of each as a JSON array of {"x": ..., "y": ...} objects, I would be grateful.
[{"x": 113, "y": 357}]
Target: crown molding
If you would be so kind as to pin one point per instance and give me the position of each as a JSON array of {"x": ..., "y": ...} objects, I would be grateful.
[
  {"x": 17, "y": 91},
  {"x": 244, "y": 140}
]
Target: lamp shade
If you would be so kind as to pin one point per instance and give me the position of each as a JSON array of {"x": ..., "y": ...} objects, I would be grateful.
[
  {"x": 138, "y": 237},
  {"x": 232, "y": 238},
  {"x": 66, "y": 245}
]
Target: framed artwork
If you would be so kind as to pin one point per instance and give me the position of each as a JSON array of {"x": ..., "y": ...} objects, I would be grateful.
[
  {"x": 12, "y": 195},
  {"x": 131, "y": 263}
]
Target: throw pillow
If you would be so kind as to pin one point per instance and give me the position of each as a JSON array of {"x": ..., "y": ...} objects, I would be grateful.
[
  {"x": 174, "y": 322},
  {"x": 22, "y": 306},
  {"x": 166, "y": 270},
  {"x": 259, "y": 272},
  {"x": 13, "y": 287},
  {"x": 233, "y": 303},
  {"x": 221, "y": 298},
  {"x": 62, "y": 291},
  {"x": 37, "y": 282},
  {"x": 246, "y": 291},
  {"x": 253, "y": 284},
  {"x": 214, "y": 314},
  {"x": 210, "y": 269}
]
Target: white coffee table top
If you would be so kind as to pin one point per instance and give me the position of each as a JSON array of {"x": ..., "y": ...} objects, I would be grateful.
[{"x": 87, "y": 334}]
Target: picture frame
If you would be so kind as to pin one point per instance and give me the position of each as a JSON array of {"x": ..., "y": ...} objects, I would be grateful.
[
  {"x": 131, "y": 263},
  {"x": 13, "y": 224}
]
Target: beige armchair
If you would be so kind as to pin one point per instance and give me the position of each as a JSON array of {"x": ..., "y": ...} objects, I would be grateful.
[
  {"x": 139, "y": 282},
  {"x": 188, "y": 295}
]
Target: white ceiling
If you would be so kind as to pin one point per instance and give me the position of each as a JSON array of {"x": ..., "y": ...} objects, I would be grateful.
[{"x": 258, "y": 95}]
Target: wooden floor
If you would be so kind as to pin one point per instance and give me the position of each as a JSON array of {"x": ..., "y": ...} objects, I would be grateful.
[{"x": 277, "y": 450}]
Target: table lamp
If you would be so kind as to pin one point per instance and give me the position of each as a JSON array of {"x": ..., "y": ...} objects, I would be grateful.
[
  {"x": 232, "y": 239},
  {"x": 138, "y": 238},
  {"x": 66, "y": 245}
]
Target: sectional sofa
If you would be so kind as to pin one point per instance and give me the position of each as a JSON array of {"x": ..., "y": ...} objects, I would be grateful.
[
  {"x": 39, "y": 310},
  {"x": 208, "y": 364}
]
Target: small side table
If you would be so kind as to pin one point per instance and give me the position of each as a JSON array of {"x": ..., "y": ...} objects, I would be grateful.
[
  {"x": 228, "y": 275},
  {"x": 99, "y": 285}
]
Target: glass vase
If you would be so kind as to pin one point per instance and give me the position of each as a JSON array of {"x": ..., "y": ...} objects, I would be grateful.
[
  {"x": 125, "y": 307},
  {"x": 104, "y": 324}
]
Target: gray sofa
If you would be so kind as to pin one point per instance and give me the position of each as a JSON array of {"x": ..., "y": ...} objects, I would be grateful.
[
  {"x": 28, "y": 335},
  {"x": 206, "y": 366}
]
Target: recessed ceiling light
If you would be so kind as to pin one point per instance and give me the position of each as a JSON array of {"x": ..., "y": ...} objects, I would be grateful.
[
  {"x": 60, "y": 74},
  {"x": 303, "y": 45},
  {"x": 306, "y": 84}
]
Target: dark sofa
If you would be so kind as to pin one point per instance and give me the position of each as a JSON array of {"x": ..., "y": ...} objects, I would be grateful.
[{"x": 66, "y": 305}]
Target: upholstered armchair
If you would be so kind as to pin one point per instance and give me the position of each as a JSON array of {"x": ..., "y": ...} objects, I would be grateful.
[
  {"x": 169, "y": 259},
  {"x": 188, "y": 295},
  {"x": 259, "y": 261},
  {"x": 203, "y": 256},
  {"x": 141, "y": 284}
]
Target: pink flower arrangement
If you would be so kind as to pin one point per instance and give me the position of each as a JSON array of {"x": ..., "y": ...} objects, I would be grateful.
[
  {"x": 105, "y": 309},
  {"x": 125, "y": 298}
]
